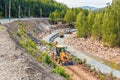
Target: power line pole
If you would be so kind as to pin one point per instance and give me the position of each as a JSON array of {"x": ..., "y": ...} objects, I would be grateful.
[
  {"x": 5, "y": 11},
  {"x": 9, "y": 10},
  {"x": 19, "y": 13},
  {"x": 29, "y": 12}
]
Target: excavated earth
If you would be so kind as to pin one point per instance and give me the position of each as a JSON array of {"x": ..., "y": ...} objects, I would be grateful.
[{"x": 15, "y": 62}]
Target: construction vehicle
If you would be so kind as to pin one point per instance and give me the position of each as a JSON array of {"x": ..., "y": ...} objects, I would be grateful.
[
  {"x": 68, "y": 32},
  {"x": 61, "y": 35},
  {"x": 60, "y": 56}
]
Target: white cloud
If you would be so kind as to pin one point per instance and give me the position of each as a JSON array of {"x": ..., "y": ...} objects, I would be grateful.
[{"x": 79, "y": 3}]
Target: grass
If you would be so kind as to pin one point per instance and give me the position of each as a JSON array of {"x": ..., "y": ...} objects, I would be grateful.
[
  {"x": 112, "y": 64},
  {"x": 102, "y": 76},
  {"x": 1, "y": 27},
  {"x": 61, "y": 71}
]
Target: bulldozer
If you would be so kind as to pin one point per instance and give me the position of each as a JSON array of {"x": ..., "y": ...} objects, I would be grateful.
[{"x": 60, "y": 56}]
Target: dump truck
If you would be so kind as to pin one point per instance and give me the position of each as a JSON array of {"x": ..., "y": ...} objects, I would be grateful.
[{"x": 60, "y": 56}]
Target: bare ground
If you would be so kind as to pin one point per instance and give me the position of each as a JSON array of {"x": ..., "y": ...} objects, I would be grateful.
[
  {"x": 16, "y": 64},
  {"x": 94, "y": 47},
  {"x": 77, "y": 72}
]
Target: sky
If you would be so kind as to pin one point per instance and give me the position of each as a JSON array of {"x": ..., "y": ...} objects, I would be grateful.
[{"x": 80, "y": 3}]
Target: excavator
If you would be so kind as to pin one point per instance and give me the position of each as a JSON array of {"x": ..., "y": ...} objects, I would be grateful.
[
  {"x": 60, "y": 56},
  {"x": 61, "y": 35}
]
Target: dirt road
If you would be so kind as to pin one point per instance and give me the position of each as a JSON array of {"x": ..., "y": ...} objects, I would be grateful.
[{"x": 77, "y": 72}]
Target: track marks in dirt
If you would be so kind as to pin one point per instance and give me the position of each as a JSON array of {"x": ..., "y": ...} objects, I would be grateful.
[{"x": 78, "y": 73}]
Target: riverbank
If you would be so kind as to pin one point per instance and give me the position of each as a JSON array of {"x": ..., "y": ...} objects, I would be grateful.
[{"x": 94, "y": 47}]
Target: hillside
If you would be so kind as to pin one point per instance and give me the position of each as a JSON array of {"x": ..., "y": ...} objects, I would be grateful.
[
  {"x": 15, "y": 62},
  {"x": 89, "y": 8}
]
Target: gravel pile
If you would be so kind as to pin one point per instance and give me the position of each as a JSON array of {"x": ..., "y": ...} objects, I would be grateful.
[{"x": 94, "y": 47}]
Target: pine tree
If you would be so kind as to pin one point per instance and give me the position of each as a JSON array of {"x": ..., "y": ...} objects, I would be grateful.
[
  {"x": 81, "y": 24},
  {"x": 97, "y": 26},
  {"x": 91, "y": 17},
  {"x": 70, "y": 16},
  {"x": 109, "y": 28}
]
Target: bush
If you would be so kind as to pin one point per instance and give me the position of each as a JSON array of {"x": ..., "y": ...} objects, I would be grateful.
[
  {"x": 19, "y": 34},
  {"x": 48, "y": 59},
  {"x": 30, "y": 43},
  {"x": 53, "y": 65},
  {"x": 101, "y": 76},
  {"x": 22, "y": 43},
  {"x": 61, "y": 71},
  {"x": 84, "y": 61},
  {"x": 1, "y": 27}
]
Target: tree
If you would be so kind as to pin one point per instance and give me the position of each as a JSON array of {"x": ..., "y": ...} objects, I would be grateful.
[
  {"x": 81, "y": 24},
  {"x": 55, "y": 16},
  {"x": 116, "y": 10},
  {"x": 70, "y": 16},
  {"x": 97, "y": 26},
  {"x": 109, "y": 30},
  {"x": 37, "y": 7},
  {"x": 91, "y": 17}
]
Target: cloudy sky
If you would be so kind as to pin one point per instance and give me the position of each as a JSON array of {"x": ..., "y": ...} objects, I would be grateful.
[{"x": 79, "y": 3}]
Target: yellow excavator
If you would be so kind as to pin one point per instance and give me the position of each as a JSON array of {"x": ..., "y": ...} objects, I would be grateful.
[
  {"x": 61, "y": 35},
  {"x": 60, "y": 56}
]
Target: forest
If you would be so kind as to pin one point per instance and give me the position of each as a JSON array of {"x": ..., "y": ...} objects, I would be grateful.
[
  {"x": 35, "y": 8},
  {"x": 103, "y": 25}
]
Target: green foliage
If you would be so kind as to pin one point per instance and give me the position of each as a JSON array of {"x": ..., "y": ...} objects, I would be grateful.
[
  {"x": 22, "y": 44},
  {"x": 47, "y": 59},
  {"x": 37, "y": 8},
  {"x": 97, "y": 26},
  {"x": 81, "y": 24},
  {"x": 55, "y": 16},
  {"x": 19, "y": 34},
  {"x": 30, "y": 43},
  {"x": 84, "y": 61},
  {"x": 76, "y": 59},
  {"x": 102, "y": 76},
  {"x": 90, "y": 21},
  {"x": 94, "y": 70},
  {"x": 112, "y": 64},
  {"x": 102, "y": 25},
  {"x": 1, "y": 27},
  {"x": 61, "y": 71},
  {"x": 70, "y": 16}
]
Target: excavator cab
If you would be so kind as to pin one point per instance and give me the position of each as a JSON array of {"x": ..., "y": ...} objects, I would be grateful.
[{"x": 59, "y": 49}]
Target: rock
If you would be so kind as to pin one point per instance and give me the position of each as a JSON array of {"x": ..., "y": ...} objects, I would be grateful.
[{"x": 93, "y": 47}]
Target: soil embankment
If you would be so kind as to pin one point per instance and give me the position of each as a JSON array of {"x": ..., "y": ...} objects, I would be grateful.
[{"x": 17, "y": 64}]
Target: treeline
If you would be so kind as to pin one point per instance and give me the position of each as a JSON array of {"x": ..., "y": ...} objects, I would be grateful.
[
  {"x": 102, "y": 25},
  {"x": 35, "y": 8}
]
